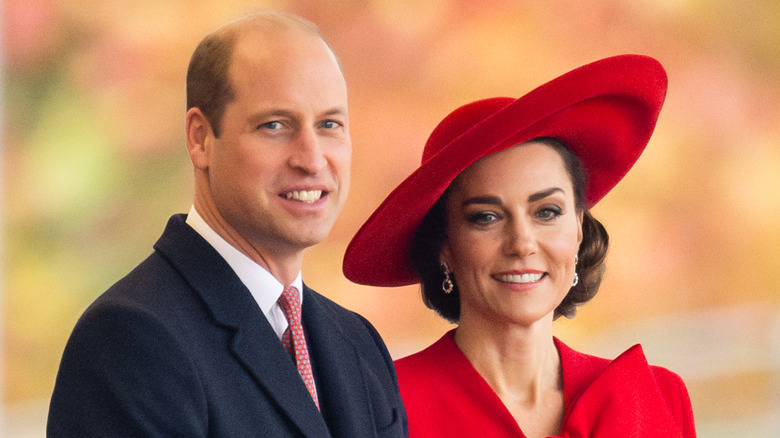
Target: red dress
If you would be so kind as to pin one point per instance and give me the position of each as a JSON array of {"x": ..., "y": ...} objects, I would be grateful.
[{"x": 445, "y": 396}]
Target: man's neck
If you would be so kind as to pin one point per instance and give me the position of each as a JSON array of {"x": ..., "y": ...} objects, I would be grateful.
[{"x": 284, "y": 267}]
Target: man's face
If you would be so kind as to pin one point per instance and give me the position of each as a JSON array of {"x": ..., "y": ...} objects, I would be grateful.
[{"x": 279, "y": 172}]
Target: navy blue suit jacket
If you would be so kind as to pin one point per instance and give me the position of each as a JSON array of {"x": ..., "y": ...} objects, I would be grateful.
[{"x": 179, "y": 348}]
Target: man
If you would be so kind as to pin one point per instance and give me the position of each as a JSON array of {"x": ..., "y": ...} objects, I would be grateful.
[{"x": 192, "y": 343}]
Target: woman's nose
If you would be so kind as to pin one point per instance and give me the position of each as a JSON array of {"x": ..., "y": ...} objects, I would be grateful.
[{"x": 520, "y": 239}]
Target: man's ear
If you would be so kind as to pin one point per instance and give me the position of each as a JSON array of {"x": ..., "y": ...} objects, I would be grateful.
[{"x": 199, "y": 138}]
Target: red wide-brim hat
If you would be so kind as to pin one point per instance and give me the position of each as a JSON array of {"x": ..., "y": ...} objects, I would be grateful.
[{"x": 604, "y": 111}]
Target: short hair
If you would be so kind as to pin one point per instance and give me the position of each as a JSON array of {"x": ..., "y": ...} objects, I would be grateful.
[
  {"x": 208, "y": 79},
  {"x": 429, "y": 238}
]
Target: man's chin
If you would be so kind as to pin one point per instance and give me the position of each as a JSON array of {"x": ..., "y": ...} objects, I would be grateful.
[{"x": 304, "y": 236}]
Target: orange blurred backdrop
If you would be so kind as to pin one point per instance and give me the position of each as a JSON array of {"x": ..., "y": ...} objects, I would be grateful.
[{"x": 93, "y": 163}]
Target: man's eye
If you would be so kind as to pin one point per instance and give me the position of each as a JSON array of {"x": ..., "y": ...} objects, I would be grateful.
[
  {"x": 330, "y": 124},
  {"x": 270, "y": 125}
]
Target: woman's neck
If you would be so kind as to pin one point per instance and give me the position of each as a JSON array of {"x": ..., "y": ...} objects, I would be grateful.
[
  {"x": 522, "y": 358},
  {"x": 523, "y": 367}
]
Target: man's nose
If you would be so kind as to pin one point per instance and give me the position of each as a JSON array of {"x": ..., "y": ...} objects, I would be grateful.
[{"x": 308, "y": 154}]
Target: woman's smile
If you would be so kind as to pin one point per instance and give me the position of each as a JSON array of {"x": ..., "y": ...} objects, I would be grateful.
[{"x": 519, "y": 278}]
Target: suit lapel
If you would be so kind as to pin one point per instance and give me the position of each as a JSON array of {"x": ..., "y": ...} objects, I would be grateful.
[
  {"x": 261, "y": 352},
  {"x": 254, "y": 343},
  {"x": 340, "y": 379}
]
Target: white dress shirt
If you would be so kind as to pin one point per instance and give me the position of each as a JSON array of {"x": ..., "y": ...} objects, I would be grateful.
[{"x": 265, "y": 288}]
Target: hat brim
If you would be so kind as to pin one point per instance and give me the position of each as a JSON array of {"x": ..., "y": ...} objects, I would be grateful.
[{"x": 604, "y": 111}]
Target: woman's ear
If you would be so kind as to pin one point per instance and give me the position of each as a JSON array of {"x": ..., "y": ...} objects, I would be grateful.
[
  {"x": 199, "y": 137},
  {"x": 580, "y": 215},
  {"x": 445, "y": 253}
]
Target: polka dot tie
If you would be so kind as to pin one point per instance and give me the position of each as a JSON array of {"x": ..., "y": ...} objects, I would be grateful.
[{"x": 293, "y": 338}]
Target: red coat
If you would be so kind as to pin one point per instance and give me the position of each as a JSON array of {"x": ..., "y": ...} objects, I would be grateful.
[{"x": 446, "y": 397}]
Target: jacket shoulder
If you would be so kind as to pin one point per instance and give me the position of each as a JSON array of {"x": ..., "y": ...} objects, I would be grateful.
[{"x": 361, "y": 332}]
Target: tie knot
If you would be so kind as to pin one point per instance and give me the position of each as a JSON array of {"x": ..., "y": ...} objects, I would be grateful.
[{"x": 290, "y": 302}]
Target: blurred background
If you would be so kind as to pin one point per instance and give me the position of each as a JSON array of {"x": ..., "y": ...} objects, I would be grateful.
[{"x": 94, "y": 162}]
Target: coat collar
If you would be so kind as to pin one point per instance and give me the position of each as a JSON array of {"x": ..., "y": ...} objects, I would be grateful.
[
  {"x": 254, "y": 342},
  {"x": 603, "y": 398},
  {"x": 609, "y": 398}
]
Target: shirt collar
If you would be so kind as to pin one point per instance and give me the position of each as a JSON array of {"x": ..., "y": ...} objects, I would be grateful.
[{"x": 265, "y": 288}]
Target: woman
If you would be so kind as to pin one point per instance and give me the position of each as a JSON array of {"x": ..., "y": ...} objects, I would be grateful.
[{"x": 495, "y": 224}]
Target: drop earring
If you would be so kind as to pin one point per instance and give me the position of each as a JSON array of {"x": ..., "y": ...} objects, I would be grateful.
[
  {"x": 576, "y": 275},
  {"x": 446, "y": 285}
]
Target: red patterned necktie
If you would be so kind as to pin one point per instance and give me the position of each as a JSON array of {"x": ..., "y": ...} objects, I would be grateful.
[{"x": 293, "y": 338}]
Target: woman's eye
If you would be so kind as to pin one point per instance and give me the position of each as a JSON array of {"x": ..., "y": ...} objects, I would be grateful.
[
  {"x": 482, "y": 218},
  {"x": 549, "y": 213}
]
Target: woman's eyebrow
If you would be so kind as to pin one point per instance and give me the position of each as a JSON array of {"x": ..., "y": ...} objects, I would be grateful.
[
  {"x": 486, "y": 199},
  {"x": 495, "y": 200},
  {"x": 544, "y": 193}
]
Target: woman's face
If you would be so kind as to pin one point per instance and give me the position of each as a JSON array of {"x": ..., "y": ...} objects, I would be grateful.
[{"x": 512, "y": 235}]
